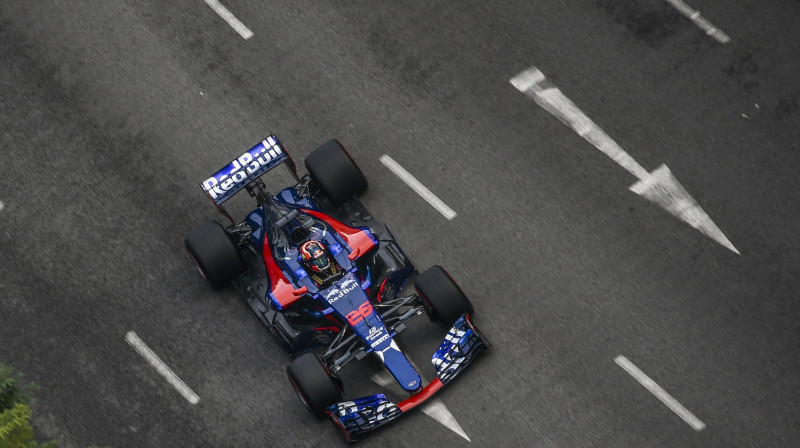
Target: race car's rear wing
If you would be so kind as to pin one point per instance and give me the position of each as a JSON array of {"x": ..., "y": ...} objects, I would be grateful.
[{"x": 259, "y": 159}]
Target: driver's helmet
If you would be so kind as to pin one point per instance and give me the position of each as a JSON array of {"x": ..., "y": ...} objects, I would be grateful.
[{"x": 315, "y": 256}]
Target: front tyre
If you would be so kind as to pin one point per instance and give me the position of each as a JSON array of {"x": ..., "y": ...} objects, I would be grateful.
[
  {"x": 443, "y": 297},
  {"x": 314, "y": 384},
  {"x": 214, "y": 254}
]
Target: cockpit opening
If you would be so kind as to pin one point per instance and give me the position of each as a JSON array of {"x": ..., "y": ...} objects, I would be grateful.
[{"x": 299, "y": 235}]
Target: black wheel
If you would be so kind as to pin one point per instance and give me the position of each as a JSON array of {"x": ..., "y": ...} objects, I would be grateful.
[
  {"x": 315, "y": 386},
  {"x": 442, "y": 295},
  {"x": 214, "y": 254},
  {"x": 336, "y": 172}
]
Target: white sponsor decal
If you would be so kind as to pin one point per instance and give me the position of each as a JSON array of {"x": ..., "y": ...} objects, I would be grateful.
[
  {"x": 252, "y": 163},
  {"x": 378, "y": 342},
  {"x": 337, "y": 293},
  {"x": 374, "y": 332}
]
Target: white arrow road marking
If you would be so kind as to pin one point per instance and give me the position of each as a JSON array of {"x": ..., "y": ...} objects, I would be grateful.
[
  {"x": 415, "y": 185},
  {"x": 433, "y": 408},
  {"x": 704, "y": 24},
  {"x": 660, "y": 393},
  {"x": 162, "y": 368},
  {"x": 660, "y": 186},
  {"x": 230, "y": 18}
]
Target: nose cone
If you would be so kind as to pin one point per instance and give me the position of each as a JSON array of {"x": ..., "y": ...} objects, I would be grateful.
[
  {"x": 352, "y": 304},
  {"x": 397, "y": 364}
]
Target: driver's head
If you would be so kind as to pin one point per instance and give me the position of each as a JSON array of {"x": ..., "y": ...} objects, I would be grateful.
[{"x": 315, "y": 256}]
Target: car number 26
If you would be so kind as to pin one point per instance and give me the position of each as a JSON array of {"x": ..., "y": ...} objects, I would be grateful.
[{"x": 356, "y": 316}]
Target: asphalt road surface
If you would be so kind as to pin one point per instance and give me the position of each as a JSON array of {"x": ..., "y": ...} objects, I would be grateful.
[{"x": 111, "y": 113}]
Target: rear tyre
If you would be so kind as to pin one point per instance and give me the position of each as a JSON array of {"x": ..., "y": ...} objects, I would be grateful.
[
  {"x": 442, "y": 295},
  {"x": 336, "y": 172},
  {"x": 313, "y": 383},
  {"x": 214, "y": 254}
]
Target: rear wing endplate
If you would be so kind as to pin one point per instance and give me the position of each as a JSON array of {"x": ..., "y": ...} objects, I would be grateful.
[{"x": 259, "y": 159}]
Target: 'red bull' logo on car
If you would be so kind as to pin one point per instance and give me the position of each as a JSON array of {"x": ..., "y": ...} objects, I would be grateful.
[
  {"x": 337, "y": 293},
  {"x": 253, "y": 163}
]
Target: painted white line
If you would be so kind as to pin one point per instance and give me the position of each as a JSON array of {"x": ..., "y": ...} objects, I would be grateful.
[
  {"x": 433, "y": 407},
  {"x": 230, "y": 18},
  {"x": 415, "y": 185},
  {"x": 660, "y": 393},
  {"x": 162, "y": 368},
  {"x": 658, "y": 186},
  {"x": 704, "y": 24},
  {"x": 534, "y": 84},
  {"x": 2, "y": 206},
  {"x": 436, "y": 410}
]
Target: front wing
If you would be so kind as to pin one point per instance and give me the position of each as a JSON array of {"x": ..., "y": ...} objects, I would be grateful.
[{"x": 459, "y": 348}]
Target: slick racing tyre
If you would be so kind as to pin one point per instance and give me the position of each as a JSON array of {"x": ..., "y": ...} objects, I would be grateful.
[
  {"x": 442, "y": 296},
  {"x": 315, "y": 386},
  {"x": 214, "y": 254},
  {"x": 336, "y": 172}
]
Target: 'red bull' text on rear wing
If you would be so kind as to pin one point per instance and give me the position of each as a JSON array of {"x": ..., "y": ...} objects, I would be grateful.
[{"x": 259, "y": 159}]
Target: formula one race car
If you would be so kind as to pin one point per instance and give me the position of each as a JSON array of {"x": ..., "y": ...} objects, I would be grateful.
[{"x": 328, "y": 280}]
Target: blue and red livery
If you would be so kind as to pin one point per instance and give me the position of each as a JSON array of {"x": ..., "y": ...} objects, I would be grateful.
[{"x": 356, "y": 310}]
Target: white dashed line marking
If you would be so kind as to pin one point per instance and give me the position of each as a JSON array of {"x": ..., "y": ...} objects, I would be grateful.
[
  {"x": 162, "y": 368},
  {"x": 415, "y": 185},
  {"x": 2, "y": 206},
  {"x": 230, "y": 18},
  {"x": 704, "y": 24},
  {"x": 660, "y": 393}
]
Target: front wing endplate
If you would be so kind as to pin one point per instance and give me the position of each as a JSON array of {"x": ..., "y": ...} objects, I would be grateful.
[{"x": 458, "y": 349}]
